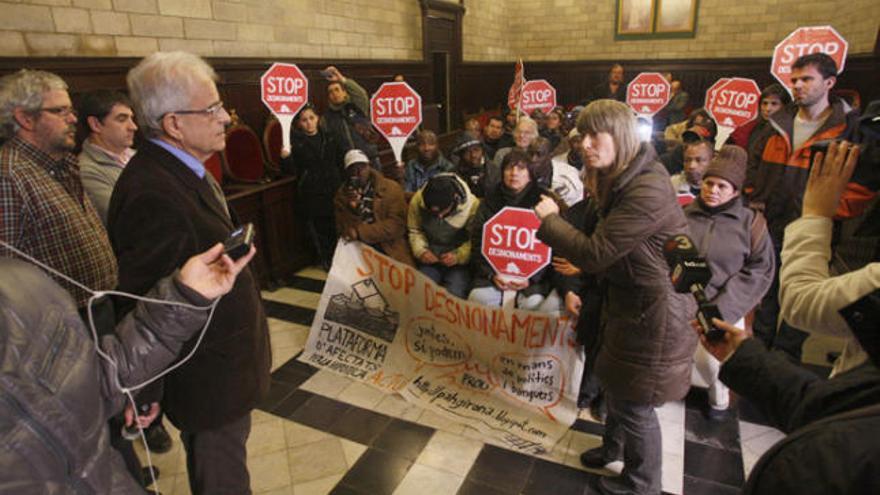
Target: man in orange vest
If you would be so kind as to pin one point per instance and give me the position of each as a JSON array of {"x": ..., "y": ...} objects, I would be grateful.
[{"x": 779, "y": 168}]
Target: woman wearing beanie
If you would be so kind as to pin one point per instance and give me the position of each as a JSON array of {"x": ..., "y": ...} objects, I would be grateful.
[
  {"x": 733, "y": 239},
  {"x": 518, "y": 188},
  {"x": 647, "y": 346}
]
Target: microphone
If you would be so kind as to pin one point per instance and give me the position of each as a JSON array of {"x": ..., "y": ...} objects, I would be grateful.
[{"x": 689, "y": 273}]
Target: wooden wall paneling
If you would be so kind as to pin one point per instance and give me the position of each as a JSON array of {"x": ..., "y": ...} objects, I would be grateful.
[
  {"x": 289, "y": 248},
  {"x": 247, "y": 207},
  {"x": 282, "y": 247}
]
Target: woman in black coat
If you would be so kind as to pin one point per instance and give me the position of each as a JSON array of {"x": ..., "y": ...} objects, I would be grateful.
[{"x": 316, "y": 160}]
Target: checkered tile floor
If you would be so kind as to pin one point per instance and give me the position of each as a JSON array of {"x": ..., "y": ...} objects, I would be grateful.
[{"x": 321, "y": 433}]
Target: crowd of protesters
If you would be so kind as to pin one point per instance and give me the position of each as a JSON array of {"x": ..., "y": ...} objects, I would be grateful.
[
  {"x": 607, "y": 201},
  {"x": 767, "y": 211}
]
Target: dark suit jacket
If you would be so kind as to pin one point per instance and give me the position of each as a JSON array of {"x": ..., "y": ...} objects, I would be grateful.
[{"x": 161, "y": 214}]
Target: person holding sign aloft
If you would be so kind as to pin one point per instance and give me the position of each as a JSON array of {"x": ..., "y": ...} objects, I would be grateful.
[
  {"x": 348, "y": 113},
  {"x": 316, "y": 160},
  {"x": 647, "y": 345}
]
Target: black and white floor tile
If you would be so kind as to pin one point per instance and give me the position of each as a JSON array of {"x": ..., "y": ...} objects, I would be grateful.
[{"x": 320, "y": 433}]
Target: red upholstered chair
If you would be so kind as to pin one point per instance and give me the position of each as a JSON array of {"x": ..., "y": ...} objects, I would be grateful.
[
  {"x": 272, "y": 140},
  {"x": 244, "y": 153},
  {"x": 214, "y": 165}
]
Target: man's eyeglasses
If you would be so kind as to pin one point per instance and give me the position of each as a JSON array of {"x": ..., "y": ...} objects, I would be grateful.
[
  {"x": 212, "y": 111},
  {"x": 62, "y": 112}
]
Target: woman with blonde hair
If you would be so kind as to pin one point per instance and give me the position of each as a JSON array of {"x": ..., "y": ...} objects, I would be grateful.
[{"x": 646, "y": 344}]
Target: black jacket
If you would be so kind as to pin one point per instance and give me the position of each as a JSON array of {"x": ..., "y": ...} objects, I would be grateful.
[
  {"x": 316, "y": 161},
  {"x": 56, "y": 394},
  {"x": 837, "y": 456},
  {"x": 161, "y": 214},
  {"x": 540, "y": 283}
]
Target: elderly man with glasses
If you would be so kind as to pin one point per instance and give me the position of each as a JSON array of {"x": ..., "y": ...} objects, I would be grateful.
[{"x": 164, "y": 209}]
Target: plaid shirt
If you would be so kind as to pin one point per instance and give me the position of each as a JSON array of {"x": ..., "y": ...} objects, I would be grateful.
[{"x": 44, "y": 213}]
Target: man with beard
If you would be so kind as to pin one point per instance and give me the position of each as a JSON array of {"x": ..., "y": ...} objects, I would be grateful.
[
  {"x": 687, "y": 183},
  {"x": 495, "y": 138},
  {"x": 43, "y": 208},
  {"x": 471, "y": 163},
  {"x": 779, "y": 167},
  {"x": 429, "y": 163},
  {"x": 613, "y": 87}
]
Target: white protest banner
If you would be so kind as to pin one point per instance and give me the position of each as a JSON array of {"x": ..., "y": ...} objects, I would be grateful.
[{"x": 511, "y": 374}]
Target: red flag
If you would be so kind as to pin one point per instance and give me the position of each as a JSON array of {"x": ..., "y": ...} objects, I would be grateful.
[{"x": 515, "y": 94}]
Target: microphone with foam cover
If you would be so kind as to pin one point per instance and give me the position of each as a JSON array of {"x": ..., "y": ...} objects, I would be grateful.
[{"x": 689, "y": 273}]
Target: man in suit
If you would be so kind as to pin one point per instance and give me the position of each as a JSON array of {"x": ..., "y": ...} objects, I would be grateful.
[{"x": 164, "y": 209}]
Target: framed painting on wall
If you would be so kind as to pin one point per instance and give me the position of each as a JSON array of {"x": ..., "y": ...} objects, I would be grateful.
[
  {"x": 645, "y": 19},
  {"x": 635, "y": 16},
  {"x": 676, "y": 16}
]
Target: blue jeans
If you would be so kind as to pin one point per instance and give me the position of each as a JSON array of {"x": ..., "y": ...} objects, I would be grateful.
[
  {"x": 632, "y": 433},
  {"x": 455, "y": 279}
]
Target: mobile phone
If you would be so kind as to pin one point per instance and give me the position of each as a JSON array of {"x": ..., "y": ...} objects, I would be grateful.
[
  {"x": 326, "y": 74},
  {"x": 705, "y": 313},
  {"x": 816, "y": 148},
  {"x": 239, "y": 241}
]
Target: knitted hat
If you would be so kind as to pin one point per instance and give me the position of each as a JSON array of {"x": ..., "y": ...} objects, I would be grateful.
[
  {"x": 730, "y": 165},
  {"x": 440, "y": 192},
  {"x": 355, "y": 156}
]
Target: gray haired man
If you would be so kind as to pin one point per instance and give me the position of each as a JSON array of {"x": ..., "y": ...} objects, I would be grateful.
[{"x": 164, "y": 209}]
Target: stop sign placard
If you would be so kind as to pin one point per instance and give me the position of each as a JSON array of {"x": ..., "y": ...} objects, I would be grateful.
[
  {"x": 396, "y": 110},
  {"x": 511, "y": 245},
  {"x": 803, "y": 41},
  {"x": 735, "y": 102},
  {"x": 710, "y": 93},
  {"x": 284, "y": 89},
  {"x": 648, "y": 93},
  {"x": 537, "y": 95}
]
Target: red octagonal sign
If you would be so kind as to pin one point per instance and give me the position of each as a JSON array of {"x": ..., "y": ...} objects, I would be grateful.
[
  {"x": 713, "y": 89},
  {"x": 511, "y": 245},
  {"x": 803, "y": 41},
  {"x": 735, "y": 102},
  {"x": 648, "y": 93},
  {"x": 537, "y": 95},
  {"x": 396, "y": 110},
  {"x": 284, "y": 89}
]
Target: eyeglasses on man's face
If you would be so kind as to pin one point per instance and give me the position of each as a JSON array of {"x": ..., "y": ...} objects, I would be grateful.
[
  {"x": 214, "y": 110},
  {"x": 62, "y": 111}
]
